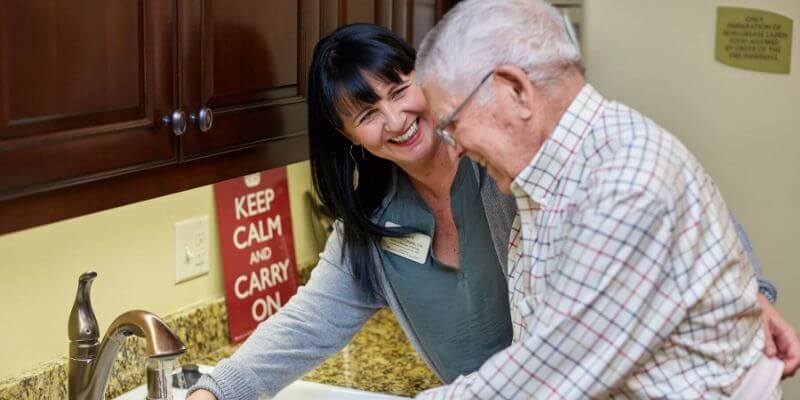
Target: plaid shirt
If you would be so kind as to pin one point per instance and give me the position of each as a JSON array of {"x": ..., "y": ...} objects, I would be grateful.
[{"x": 626, "y": 277}]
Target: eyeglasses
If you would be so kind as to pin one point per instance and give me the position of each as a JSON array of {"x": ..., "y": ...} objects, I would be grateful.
[{"x": 441, "y": 127}]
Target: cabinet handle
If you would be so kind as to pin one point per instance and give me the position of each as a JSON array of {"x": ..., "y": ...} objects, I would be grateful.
[
  {"x": 178, "y": 121},
  {"x": 203, "y": 119}
]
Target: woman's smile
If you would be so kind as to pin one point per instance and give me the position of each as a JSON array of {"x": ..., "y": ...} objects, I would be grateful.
[{"x": 409, "y": 137}]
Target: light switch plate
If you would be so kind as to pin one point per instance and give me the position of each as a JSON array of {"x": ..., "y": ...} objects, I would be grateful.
[{"x": 191, "y": 248}]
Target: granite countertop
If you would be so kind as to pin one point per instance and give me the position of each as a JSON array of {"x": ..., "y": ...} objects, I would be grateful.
[{"x": 378, "y": 359}]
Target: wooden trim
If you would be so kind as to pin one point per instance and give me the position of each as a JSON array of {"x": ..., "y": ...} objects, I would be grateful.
[
  {"x": 410, "y": 21},
  {"x": 32, "y": 141},
  {"x": 383, "y": 13},
  {"x": 206, "y": 63},
  {"x": 189, "y": 62},
  {"x": 43, "y": 208},
  {"x": 440, "y": 8},
  {"x": 397, "y": 17},
  {"x": 308, "y": 33},
  {"x": 328, "y": 17},
  {"x": 342, "y": 13}
]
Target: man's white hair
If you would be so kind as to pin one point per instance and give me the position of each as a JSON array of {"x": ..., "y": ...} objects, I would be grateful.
[{"x": 478, "y": 35}]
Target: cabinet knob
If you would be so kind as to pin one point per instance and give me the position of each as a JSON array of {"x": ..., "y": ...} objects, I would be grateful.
[
  {"x": 178, "y": 121},
  {"x": 203, "y": 119}
]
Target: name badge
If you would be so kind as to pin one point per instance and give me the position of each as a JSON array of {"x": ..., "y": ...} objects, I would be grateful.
[{"x": 413, "y": 247}]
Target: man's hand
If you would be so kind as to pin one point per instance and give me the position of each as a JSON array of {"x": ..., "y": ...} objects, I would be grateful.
[
  {"x": 202, "y": 395},
  {"x": 781, "y": 339}
]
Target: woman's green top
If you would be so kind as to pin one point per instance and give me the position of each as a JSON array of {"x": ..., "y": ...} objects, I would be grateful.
[{"x": 463, "y": 317}]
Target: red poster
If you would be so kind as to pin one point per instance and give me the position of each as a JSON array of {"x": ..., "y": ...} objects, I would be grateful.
[{"x": 255, "y": 235}]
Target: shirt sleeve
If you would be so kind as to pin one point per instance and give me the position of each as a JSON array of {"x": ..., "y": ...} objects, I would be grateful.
[
  {"x": 765, "y": 287},
  {"x": 609, "y": 304}
]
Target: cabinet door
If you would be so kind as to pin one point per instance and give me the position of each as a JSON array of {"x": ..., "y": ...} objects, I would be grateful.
[
  {"x": 82, "y": 86},
  {"x": 246, "y": 61}
]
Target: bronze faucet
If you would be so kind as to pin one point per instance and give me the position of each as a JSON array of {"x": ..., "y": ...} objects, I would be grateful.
[{"x": 90, "y": 361}]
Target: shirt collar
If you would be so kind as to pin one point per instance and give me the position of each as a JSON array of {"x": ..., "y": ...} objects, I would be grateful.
[{"x": 538, "y": 179}]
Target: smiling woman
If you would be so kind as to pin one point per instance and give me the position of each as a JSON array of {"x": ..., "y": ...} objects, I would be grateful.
[{"x": 344, "y": 69}]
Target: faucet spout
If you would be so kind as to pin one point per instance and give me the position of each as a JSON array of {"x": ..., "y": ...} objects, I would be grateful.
[
  {"x": 90, "y": 363},
  {"x": 159, "y": 339}
]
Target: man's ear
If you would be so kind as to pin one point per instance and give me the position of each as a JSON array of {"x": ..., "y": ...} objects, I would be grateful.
[{"x": 515, "y": 81}]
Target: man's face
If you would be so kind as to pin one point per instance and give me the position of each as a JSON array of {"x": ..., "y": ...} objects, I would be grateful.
[{"x": 486, "y": 132}]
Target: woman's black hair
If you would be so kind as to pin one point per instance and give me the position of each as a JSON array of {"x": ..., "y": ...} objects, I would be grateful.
[{"x": 342, "y": 63}]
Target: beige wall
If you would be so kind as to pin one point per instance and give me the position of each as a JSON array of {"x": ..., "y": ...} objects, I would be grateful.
[
  {"x": 658, "y": 56},
  {"x": 133, "y": 250}
]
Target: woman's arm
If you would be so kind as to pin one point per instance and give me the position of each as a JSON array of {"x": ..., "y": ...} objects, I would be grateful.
[
  {"x": 782, "y": 340},
  {"x": 765, "y": 287},
  {"x": 317, "y": 322}
]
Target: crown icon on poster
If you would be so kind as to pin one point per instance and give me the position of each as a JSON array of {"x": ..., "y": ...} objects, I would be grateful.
[{"x": 252, "y": 180}]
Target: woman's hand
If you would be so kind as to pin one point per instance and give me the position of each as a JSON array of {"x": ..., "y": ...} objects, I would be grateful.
[
  {"x": 781, "y": 339},
  {"x": 202, "y": 395}
]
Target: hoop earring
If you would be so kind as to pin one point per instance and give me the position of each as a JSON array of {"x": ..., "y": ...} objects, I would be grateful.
[{"x": 355, "y": 167}]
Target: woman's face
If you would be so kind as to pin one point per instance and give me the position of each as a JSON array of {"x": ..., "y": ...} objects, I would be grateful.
[{"x": 395, "y": 127}]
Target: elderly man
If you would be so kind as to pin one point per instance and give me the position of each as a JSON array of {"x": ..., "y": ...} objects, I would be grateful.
[{"x": 626, "y": 277}]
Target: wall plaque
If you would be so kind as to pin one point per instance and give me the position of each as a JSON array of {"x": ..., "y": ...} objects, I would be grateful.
[{"x": 754, "y": 39}]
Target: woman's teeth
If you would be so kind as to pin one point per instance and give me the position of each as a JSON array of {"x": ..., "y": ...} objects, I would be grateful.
[{"x": 408, "y": 135}]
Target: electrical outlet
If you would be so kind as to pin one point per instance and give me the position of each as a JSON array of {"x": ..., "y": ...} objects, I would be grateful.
[{"x": 191, "y": 248}]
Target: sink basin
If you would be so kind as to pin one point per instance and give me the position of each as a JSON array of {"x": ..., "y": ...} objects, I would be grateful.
[{"x": 299, "y": 390}]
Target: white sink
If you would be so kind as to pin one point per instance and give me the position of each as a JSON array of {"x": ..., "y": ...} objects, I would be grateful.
[{"x": 299, "y": 390}]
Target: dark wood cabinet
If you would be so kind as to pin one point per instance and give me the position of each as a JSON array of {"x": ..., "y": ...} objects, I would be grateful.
[
  {"x": 85, "y": 86},
  {"x": 81, "y": 88}
]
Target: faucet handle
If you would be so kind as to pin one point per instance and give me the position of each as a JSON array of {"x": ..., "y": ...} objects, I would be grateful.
[{"x": 83, "y": 327}]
